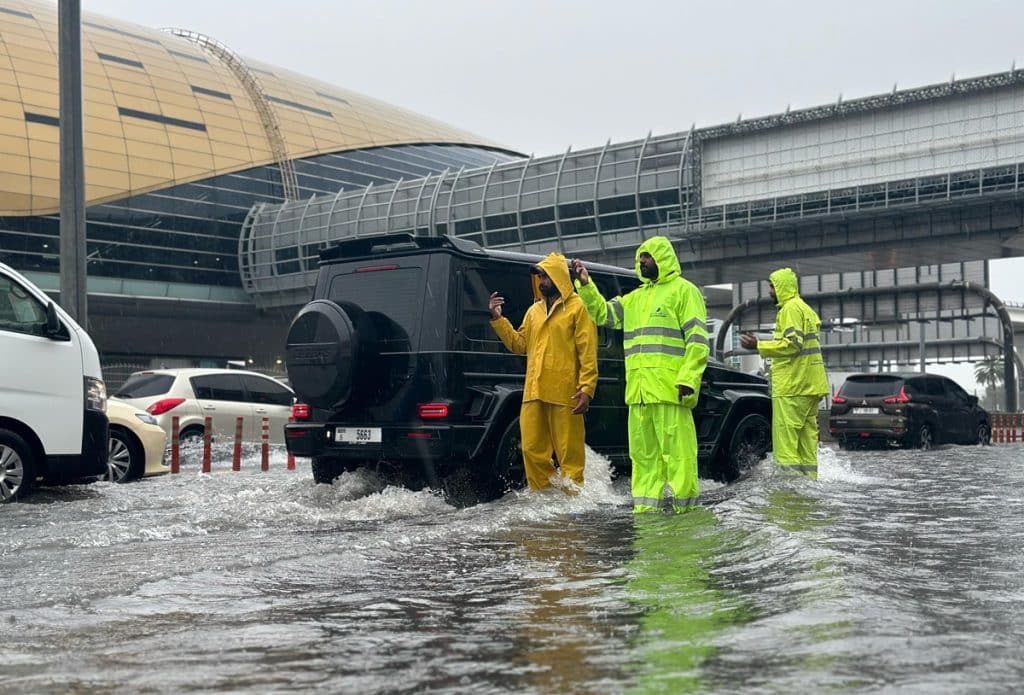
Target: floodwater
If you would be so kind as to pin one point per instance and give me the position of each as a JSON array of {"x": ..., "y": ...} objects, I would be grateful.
[{"x": 896, "y": 572}]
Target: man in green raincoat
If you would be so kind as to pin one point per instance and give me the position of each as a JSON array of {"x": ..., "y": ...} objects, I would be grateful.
[
  {"x": 798, "y": 375},
  {"x": 665, "y": 342}
]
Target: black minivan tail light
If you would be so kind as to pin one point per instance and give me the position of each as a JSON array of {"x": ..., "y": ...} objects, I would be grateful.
[{"x": 900, "y": 397}]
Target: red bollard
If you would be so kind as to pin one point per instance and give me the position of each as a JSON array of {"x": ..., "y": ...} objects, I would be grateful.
[
  {"x": 175, "y": 444},
  {"x": 265, "y": 453},
  {"x": 207, "y": 436},
  {"x": 236, "y": 459},
  {"x": 291, "y": 456}
]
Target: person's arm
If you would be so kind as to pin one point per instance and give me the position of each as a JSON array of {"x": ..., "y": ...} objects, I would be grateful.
[
  {"x": 693, "y": 322},
  {"x": 788, "y": 339},
  {"x": 586, "y": 353},
  {"x": 514, "y": 341},
  {"x": 609, "y": 314}
]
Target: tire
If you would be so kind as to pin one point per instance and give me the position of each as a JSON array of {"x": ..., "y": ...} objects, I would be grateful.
[
  {"x": 924, "y": 439},
  {"x": 326, "y": 470},
  {"x": 191, "y": 437},
  {"x": 983, "y": 435},
  {"x": 17, "y": 467},
  {"x": 749, "y": 442},
  {"x": 505, "y": 471},
  {"x": 126, "y": 459}
]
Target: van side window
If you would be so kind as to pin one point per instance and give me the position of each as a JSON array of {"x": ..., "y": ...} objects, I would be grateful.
[{"x": 20, "y": 311}]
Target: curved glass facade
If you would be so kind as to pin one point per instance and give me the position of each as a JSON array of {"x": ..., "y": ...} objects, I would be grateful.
[{"x": 190, "y": 233}]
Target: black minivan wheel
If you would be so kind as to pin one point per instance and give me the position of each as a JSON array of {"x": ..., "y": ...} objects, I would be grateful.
[
  {"x": 983, "y": 434},
  {"x": 17, "y": 468},
  {"x": 924, "y": 439}
]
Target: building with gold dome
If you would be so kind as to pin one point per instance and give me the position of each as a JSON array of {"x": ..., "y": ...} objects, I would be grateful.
[{"x": 183, "y": 138}]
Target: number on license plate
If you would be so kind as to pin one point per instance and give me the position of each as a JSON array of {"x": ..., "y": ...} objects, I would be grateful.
[
  {"x": 357, "y": 435},
  {"x": 865, "y": 411}
]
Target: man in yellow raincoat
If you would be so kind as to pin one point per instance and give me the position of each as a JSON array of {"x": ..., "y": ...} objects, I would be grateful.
[
  {"x": 798, "y": 375},
  {"x": 560, "y": 344},
  {"x": 665, "y": 341}
]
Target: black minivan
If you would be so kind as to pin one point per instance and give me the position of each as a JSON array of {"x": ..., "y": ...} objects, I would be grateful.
[
  {"x": 396, "y": 366},
  {"x": 906, "y": 410}
]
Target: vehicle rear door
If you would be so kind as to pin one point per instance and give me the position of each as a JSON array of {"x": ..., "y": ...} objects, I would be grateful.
[
  {"x": 270, "y": 400},
  {"x": 939, "y": 404},
  {"x": 962, "y": 416},
  {"x": 222, "y": 397}
]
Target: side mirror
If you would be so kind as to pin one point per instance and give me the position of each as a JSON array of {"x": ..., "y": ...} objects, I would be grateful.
[{"x": 54, "y": 328}]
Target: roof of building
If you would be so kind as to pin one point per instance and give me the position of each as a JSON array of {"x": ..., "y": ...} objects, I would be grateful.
[{"x": 163, "y": 109}]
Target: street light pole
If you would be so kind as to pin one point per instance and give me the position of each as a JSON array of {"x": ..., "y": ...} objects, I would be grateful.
[{"x": 72, "y": 166}]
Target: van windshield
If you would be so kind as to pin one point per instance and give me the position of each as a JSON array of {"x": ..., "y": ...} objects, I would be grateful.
[
  {"x": 871, "y": 385},
  {"x": 143, "y": 385},
  {"x": 388, "y": 302}
]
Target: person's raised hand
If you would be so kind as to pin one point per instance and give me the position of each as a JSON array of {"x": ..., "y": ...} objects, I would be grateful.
[
  {"x": 748, "y": 341},
  {"x": 497, "y": 301},
  {"x": 581, "y": 271}
]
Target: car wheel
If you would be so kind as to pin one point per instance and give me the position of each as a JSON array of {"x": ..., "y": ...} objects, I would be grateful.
[
  {"x": 191, "y": 437},
  {"x": 750, "y": 441},
  {"x": 126, "y": 459},
  {"x": 983, "y": 435},
  {"x": 924, "y": 439},
  {"x": 506, "y": 471},
  {"x": 326, "y": 470},
  {"x": 17, "y": 469}
]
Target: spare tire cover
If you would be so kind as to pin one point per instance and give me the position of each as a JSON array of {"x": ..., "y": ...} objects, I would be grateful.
[{"x": 320, "y": 353}]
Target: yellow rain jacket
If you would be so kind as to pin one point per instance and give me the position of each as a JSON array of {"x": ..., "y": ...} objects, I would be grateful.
[
  {"x": 561, "y": 345},
  {"x": 795, "y": 348}
]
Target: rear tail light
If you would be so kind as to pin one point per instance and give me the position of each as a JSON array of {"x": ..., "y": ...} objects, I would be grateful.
[
  {"x": 300, "y": 411},
  {"x": 900, "y": 397},
  {"x": 838, "y": 399},
  {"x": 375, "y": 268},
  {"x": 433, "y": 411},
  {"x": 163, "y": 405}
]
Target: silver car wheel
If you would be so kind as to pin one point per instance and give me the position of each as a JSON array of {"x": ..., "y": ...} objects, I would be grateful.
[
  {"x": 12, "y": 472},
  {"x": 119, "y": 460}
]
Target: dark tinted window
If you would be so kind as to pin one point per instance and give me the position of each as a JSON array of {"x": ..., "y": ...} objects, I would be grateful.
[
  {"x": 143, "y": 385},
  {"x": 20, "y": 311},
  {"x": 513, "y": 282},
  {"x": 386, "y": 304},
  {"x": 871, "y": 385},
  {"x": 954, "y": 391},
  {"x": 934, "y": 387},
  {"x": 266, "y": 391},
  {"x": 218, "y": 387}
]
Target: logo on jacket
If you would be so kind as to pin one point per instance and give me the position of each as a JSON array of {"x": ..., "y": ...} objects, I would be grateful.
[{"x": 659, "y": 313}]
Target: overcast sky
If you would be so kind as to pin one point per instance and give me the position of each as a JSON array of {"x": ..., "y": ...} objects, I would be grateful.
[{"x": 538, "y": 76}]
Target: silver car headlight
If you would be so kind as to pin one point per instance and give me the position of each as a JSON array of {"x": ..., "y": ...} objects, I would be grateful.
[
  {"x": 95, "y": 394},
  {"x": 146, "y": 418}
]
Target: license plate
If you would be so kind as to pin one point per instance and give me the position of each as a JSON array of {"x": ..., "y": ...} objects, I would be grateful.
[
  {"x": 865, "y": 411},
  {"x": 357, "y": 435}
]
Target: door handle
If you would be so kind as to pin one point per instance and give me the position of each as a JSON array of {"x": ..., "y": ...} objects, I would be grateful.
[
  {"x": 261, "y": 410},
  {"x": 209, "y": 407}
]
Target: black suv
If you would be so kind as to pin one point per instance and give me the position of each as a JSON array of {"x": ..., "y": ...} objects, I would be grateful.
[
  {"x": 397, "y": 365},
  {"x": 906, "y": 410}
]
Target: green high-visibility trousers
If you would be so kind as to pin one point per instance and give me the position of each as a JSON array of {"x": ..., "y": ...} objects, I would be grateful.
[
  {"x": 663, "y": 449},
  {"x": 795, "y": 433}
]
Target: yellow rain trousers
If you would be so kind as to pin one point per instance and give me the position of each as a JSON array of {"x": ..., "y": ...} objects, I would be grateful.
[
  {"x": 665, "y": 343},
  {"x": 560, "y": 345},
  {"x": 798, "y": 377}
]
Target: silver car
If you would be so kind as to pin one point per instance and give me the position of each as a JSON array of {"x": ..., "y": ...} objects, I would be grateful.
[{"x": 221, "y": 394}]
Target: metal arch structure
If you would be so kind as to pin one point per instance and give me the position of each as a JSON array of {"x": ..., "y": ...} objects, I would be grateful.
[
  {"x": 271, "y": 126},
  {"x": 990, "y": 299}
]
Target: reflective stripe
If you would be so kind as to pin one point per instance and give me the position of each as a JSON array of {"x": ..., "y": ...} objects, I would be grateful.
[
  {"x": 646, "y": 502},
  {"x": 790, "y": 330},
  {"x": 652, "y": 330},
  {"x": 811, "y": 336},
  {"x": 811, "y": 351},
  {"x": 671, "y": 350},
  {"x": 688, "y": 502},
  {"x": 692, "y": 323},
  {"x": 614, "y": 310},
  {"x": 801, "y": 467},
  {"x": 700, "y": 339}
]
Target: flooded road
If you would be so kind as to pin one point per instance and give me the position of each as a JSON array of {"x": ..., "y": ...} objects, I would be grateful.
[{"x": 895, "y": 572}]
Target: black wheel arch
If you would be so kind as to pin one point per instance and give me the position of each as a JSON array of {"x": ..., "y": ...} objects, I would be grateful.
[
  {"x": 743, "y": 404},
  {"x": 507, "y": 401}
]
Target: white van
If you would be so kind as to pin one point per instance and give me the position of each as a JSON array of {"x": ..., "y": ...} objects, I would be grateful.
[{"x": 53, "y": 421}]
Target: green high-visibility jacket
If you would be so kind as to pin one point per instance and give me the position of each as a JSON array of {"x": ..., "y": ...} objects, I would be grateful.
[
  {"x": 795, "y": 348},
  {"x": 664, "y": 329}
]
